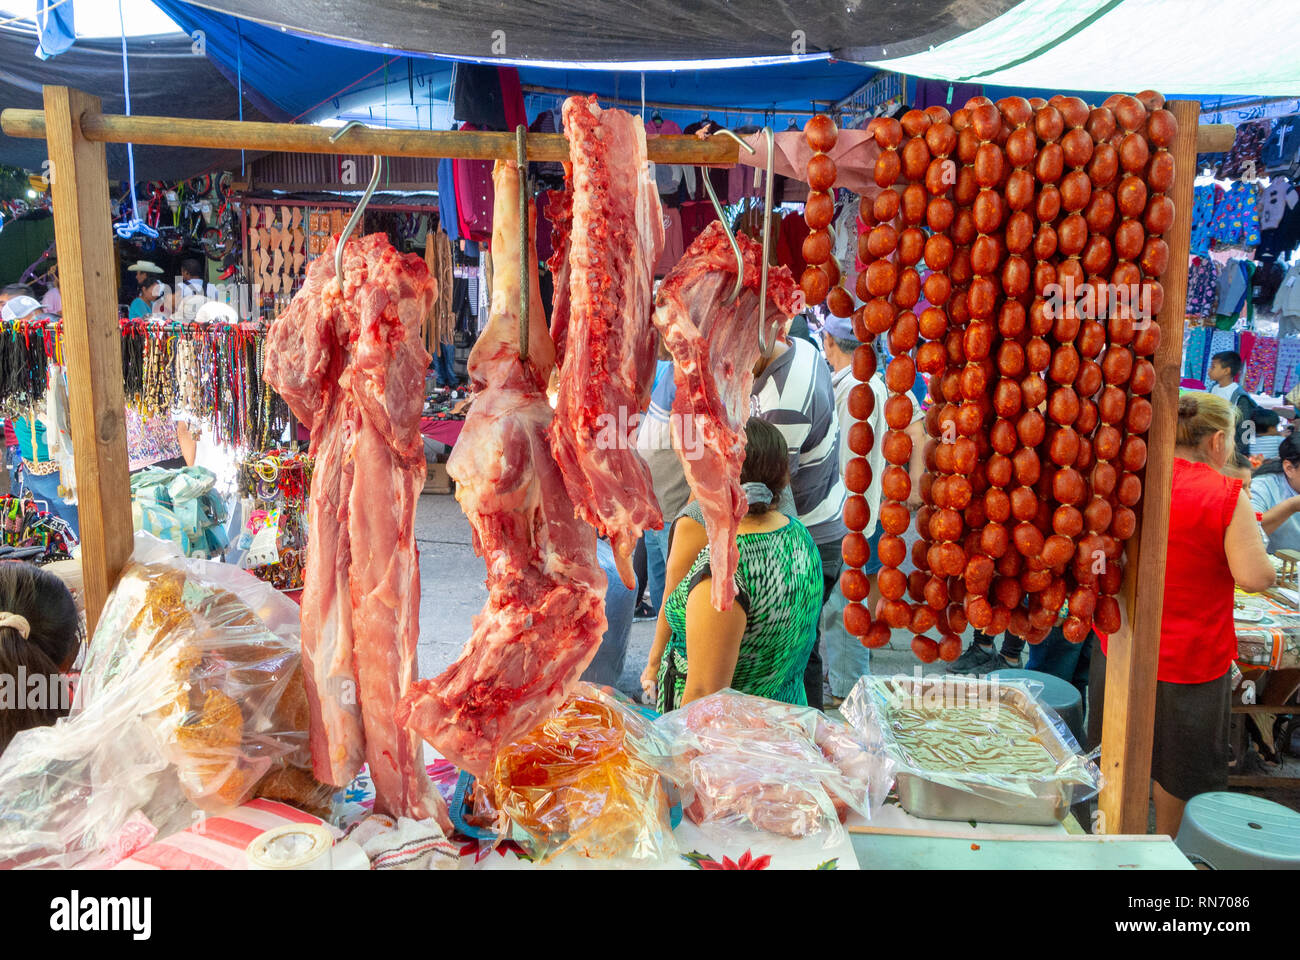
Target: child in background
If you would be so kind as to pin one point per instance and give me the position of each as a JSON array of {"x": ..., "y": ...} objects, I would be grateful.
[{"x": 1267, "y": 438}]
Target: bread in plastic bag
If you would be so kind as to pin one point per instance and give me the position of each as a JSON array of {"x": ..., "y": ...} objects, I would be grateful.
[
  {"x": 191, "y": 696},
  {"x": 991, "y": 738},
  {"x": 234, "y": 720},
  {"x": 67, "y": 790},
  {"x": 580, "y": 782},
  {"x": 744, "y": 762}
]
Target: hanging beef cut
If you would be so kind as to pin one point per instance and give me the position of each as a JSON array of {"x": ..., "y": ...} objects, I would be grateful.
[
  {"x": 559, "y": 210},
  {"x": 715, "y": 345},
  {"x": 617, "y": 233},
  {"x": 351, "y": 365},
  {"x": 545, "y": 613}
]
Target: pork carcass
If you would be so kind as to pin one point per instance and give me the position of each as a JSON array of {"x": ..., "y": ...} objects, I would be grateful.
[
  {"x": 715, "y": 345},
  {"x": 350, "y": 362},
  {"x": 307, "y": 349},
  {"x": 545, "y": 615},
  {"x": 559, "y": 210},
  {"x": 610, "y": 347}
]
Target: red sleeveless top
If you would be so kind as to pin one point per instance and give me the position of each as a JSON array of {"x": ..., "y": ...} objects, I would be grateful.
[{"x": 1198, "y": 641}]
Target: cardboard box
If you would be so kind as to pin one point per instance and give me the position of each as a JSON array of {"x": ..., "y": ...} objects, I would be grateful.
[{"x": 437, "y": 479}]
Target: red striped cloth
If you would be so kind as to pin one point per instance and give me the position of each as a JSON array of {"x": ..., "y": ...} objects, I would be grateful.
[{"x": 216, "y": 843}]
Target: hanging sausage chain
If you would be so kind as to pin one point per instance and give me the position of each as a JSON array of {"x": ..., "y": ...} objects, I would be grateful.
[{"x": 1044, "y": 250}]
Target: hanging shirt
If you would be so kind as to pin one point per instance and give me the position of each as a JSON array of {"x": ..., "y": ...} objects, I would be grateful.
[
  {"x": 474, "y": 196},
  {"x": 1277, "y": 198},
  {"x": 1287, "y": 300},
  {"x": 1234, "y": 287},
  {"x": 1202, "y": 288},
  {"x": 447, "y": 214},
  {"x": 674, "y": 244},
  {"x": 669, "y": 176}
]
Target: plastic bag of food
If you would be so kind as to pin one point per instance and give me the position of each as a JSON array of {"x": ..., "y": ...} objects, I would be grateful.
[
  {"x": 745, "y": 763},
  {"x": 965, "y": 749},
  {"x": 191, "y": 695},
  {"x": 233, "y": 718},
  {"x": 68, "y": 790},
  {"x": 580, "y": 781}
]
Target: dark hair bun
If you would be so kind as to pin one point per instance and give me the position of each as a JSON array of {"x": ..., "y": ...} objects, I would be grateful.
[{"x": 1188, "y": 406}]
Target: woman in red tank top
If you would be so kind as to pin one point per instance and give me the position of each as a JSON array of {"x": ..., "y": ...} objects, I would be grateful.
[{"x": 1214, "y": 543}]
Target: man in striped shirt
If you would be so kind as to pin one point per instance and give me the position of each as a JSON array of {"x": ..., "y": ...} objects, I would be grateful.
[{"x": 792, "y": 391}]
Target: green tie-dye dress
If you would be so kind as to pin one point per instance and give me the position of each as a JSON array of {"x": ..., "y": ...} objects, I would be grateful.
[{"x": 779, "y": 584}]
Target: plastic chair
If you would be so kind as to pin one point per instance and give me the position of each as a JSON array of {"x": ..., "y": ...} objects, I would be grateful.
[
  {"x": 1058, "y": 694},
  {"x": 1236, "y": 831}
]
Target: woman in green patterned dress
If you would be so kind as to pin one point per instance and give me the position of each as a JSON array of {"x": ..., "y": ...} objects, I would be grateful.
[{"x": 761, "y": 644}]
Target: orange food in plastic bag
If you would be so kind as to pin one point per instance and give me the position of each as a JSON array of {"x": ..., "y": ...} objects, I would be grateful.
[{"x": 577, "y": 782}]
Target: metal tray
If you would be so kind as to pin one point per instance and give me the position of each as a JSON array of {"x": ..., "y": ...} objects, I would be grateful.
[{"x": 1048, "y": 797}]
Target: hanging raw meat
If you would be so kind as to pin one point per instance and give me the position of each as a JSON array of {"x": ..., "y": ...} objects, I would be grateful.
[
  {"x": 351, "y": 366},
  {"x": 559, "y": 210},
  {"x": 715, "y": 345},
  {"x": 545, "y": 615},
  {"x": 609, "y": 359}
]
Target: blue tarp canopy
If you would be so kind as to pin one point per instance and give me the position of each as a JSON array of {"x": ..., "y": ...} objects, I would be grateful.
[
  {"x": 288, "y": 74},
  {"x": 312, "y": 79}
]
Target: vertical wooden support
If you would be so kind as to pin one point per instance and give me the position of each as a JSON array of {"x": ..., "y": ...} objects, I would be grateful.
[
  {"x": 83, "y": 231},
  {"x": 1134, "y": 652}
]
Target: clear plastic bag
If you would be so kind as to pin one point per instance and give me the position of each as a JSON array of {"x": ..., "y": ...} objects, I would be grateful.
[
  {"x": 581, "y": 781},
  {"x": 991, "y": 740},
  {"x": 234, "y": 716},
  {"x": 67, "y": 790},
  {"x": 745, "y": 762},
  {"x": 191, "y": 695}
]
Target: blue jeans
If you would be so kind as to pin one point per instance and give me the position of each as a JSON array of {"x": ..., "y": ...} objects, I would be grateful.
[
  {"x": 656, "y": 564},
  {"x": 607, "y": 666},
  {"x": 1061, "y": 658},
  {"x": 846, "y": 658},
  {"x": 445, "y": 365}
]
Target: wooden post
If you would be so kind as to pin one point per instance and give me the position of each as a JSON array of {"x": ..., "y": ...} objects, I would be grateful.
[
  {"x": 83, "y": 231},
  {"x": 1134, "y": 651}
]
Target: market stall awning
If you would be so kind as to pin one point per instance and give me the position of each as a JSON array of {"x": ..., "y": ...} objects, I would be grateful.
[
  {"x": 1175, "y": 46},
  {"x": 615, "y": 31},
  {"x": 167, "y": 79}
]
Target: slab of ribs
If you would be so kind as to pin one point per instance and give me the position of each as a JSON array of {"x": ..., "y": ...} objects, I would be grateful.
[
  {"x": 614, "y": 240},
  {"x": 351, "y": 365},
  {"x": 545, "y": 613},
  {"x": 715, "y": 345}
]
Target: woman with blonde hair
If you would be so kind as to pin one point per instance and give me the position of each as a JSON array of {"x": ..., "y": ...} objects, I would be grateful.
[{"x": 1214, "y": 544}]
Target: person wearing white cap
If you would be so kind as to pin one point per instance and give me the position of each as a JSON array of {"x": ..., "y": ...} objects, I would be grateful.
[
  {"x": 15, "y": 308},
  {"x": 146, "y": 276}
]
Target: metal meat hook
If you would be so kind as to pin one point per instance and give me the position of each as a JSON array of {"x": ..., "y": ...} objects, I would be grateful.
[
  {"x": 770, "y": 137},
  {"x": 722, "y": 217},
  {"x": 361, "y": 206},
  {"x": 525, "y": 274}
]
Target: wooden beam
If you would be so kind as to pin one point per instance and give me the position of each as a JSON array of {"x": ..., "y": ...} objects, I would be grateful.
[
  {"x": 305, "y": 138},
  {"x": 83, "y": 231},
  {"x": 1134, "y": 652},
  {"x": 1214, "y": 137}
]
